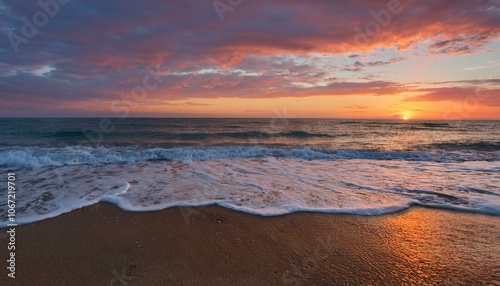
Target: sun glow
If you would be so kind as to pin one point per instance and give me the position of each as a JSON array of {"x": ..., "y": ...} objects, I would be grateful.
[{"x": 405, "y": 117}]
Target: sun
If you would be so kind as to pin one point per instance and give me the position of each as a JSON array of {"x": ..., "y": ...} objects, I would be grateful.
[{"x": 405, "y": 117}]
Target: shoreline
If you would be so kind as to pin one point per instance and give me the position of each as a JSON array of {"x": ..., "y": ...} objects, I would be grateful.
[
  {"x": 189, "y": 210},
  {"x": 211, "y": 245}
]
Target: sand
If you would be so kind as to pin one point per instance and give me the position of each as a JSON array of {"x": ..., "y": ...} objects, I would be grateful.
[{"x": 104, "y": 245}]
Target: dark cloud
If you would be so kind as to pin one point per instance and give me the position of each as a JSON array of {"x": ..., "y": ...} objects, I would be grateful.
[
  {"x": 357, "y": 66},
  {"x": 383, "y": 63}
]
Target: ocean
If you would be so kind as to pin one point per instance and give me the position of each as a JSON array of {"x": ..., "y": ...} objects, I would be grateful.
[{"x": 260, "y": 166}]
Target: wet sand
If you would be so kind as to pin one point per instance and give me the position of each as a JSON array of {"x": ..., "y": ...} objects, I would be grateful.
[{"x": 103, "y": 245}]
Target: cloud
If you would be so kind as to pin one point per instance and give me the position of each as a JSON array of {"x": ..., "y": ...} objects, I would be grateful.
[
  {"x": 486, "y": 82},
  {"x": 481, "y": 67},
  {"x": 256, "y": 111},
  {"x": 355, "y": 67},
  {"x": 383, "y": 63},
  {"x": 184, "y": 104},
  {"x": 356, "y": 106},
  {"x": 460, "y": 44},
  {"x": 98, "y": 51},
  {"x": 486, "y": 97}
]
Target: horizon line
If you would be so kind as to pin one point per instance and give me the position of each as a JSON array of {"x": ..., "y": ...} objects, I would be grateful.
[{"x": 287, "y": 118}]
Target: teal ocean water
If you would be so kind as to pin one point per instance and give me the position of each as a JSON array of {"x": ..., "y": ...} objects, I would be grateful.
[{"x": 261, "y": 166}]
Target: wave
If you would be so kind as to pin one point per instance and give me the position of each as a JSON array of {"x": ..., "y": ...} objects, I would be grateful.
[
  {"x": 66, "y": 134},
  {"x": 262, "y": 186},
  {"x": 431, "y": 125},
  {"x": 478, "y": 146},
  {"x": 81, "y": 134},
  {"x": 35, "y": 157}
]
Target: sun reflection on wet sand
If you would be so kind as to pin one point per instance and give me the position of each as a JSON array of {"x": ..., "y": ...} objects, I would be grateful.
[{"x": 433, "y": 250}]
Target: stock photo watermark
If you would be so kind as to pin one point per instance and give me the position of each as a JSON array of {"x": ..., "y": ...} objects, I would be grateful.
[
  {"x": 124, "y": 277},
  {"x": 150, "y": 81},
  {"x": 381, "y": 19},
  {"x": 187, "y": 213},
  {"x": 11, "y": 224},
  {"x": 278, "y": 123},
  {"x": 40, "y": 19},
  {"x": 464, "y": 109},
  {"x": 224, "y": 6},
  {"x": 309, "y": 265}
]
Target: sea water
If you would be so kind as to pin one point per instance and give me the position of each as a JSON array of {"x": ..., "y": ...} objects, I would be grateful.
[{"x": 260, "y": 166}]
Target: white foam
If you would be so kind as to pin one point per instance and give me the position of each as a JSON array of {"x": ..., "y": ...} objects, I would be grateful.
[
  {"x": 37, "y": 157},
  {"x": 263, "y": 186}
]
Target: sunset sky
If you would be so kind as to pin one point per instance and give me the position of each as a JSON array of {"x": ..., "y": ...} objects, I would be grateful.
[{"x": 433, "y": 59}]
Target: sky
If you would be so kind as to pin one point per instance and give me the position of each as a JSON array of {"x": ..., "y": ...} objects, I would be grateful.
[{"x": 429, "y": 59}]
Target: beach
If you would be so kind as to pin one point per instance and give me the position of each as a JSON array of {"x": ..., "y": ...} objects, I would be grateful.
[
  {"x": 256, "y": 143},
  {"x": 104, "y": 245}
]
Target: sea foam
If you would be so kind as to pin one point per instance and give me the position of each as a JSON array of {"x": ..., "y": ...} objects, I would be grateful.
[{"x": 261, "y": 185}]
